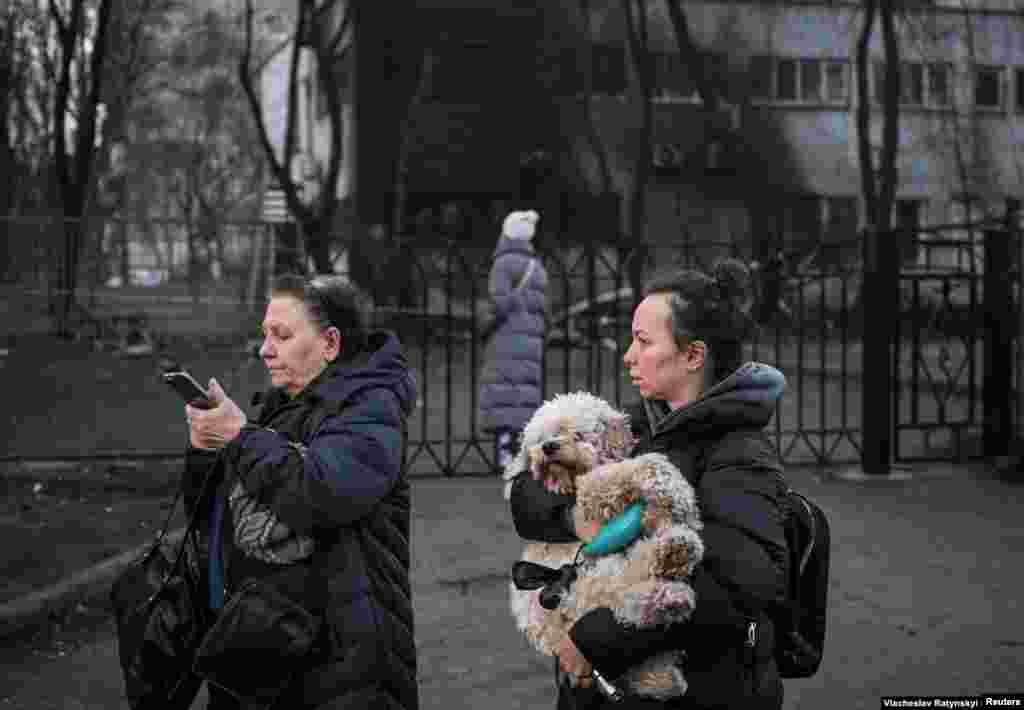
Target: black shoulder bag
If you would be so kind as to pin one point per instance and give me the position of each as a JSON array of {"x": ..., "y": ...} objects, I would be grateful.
[{"x": 161, "y": 615}]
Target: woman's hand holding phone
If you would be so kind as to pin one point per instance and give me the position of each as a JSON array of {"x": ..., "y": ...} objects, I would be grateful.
[{"x": 214, "y": 428}]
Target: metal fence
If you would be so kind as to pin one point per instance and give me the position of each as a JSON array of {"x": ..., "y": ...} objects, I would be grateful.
[{"x": 175, "y": 291}]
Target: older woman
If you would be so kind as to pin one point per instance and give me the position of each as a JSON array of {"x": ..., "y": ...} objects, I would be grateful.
[
  {"x": 705, "y": 410},
  {"x": 312, "y": 503}
]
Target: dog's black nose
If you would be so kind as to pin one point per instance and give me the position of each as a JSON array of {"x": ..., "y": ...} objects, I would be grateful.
[{"x": 550, "y": 447}]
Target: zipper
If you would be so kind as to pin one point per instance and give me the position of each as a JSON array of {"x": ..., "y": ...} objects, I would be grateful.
[
  {"x": 751, "y": 641},
  {"x": 750, "y": 644}
]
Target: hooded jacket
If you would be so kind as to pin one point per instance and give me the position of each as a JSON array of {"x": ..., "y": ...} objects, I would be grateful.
[
  {"x": 719, "y": 444},
  {"x": 510, "y": 383},
  {"x": 328, "y": 464}
]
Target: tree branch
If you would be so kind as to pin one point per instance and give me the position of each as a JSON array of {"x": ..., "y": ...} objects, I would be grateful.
[
  {"x": 62, "y": 26},
  {"x": 863, "y": 117},
  {"x": 423, "y": 87},
  {"x": 692, "y": 57},
  {"x": 293, "y": 83},
  {"x": 588, "y": 93},
  {"x": 346, "y": 20},
  {"x": 891, "y": 117},
  {"x": 67, "y": 34},
  {"x": 328, "y": 70},
  {"x": 85, "y": 149},
  {"x": 280, "y": 172}
]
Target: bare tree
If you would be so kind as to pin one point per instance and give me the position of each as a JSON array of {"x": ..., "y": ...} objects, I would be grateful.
[
  {"x": 206, "y": 161},
  {"x": 635, "y": 12},
  {"x": 81, "y": 50},
  {"x": 18, "y": 130},
  {"x": 878, "y": 186},
  {"x": 881, "y": 253},
  {"x": 593, "y": 138},
  {"x": 693, "y": 58},
  {"x": 317, "y": 28},
  {"x": 405, "y": 137}
]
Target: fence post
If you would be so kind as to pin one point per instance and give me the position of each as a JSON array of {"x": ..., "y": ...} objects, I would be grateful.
[
  {"x": 1013, "y": 226},
  {"x": 997, "y": 392},
  {"x": 881, "y": 268}
]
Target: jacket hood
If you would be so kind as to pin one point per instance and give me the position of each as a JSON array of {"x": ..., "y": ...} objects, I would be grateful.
[
  {"x": 746, "y": 399},
  {"x": 381, "y": 364},
  {"x": 508, "y": 245}
]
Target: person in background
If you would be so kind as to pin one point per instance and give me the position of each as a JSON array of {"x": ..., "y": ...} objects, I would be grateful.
[
  {"x": 511, "y": 379},
  {"x": 311, "y": 498},
  {"x": 705, "y": 409}
]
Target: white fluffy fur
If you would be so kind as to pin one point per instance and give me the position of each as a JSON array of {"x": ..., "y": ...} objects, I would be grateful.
[
  {"x": 589, "y": 414},
  {"x": 622, "y": 581}
]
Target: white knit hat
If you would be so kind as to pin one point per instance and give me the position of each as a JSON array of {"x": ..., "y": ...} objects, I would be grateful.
[{"x": 520, "y": 225}]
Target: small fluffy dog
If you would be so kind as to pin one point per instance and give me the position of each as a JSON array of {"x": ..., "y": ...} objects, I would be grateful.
[{"x": 577, "y": 444}]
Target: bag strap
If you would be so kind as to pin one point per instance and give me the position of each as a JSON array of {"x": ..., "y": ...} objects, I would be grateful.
[
  {"x": 526, "y": 275},
  {"x": 193, "y": 519}
]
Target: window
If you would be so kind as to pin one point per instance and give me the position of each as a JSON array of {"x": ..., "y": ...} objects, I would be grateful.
[
  {"x": 609, "y": 69},
  {"x": 921, "y": 83},
  {"x": 806, "y": 80},
  {"x": 455, "y": 77},
  {"x": 671, "y": 77},
  {"x": 987, "y": 86},
  {"x": 785, "y": 80},
  {"x": 912, "y": 83},
  {"x": 761, "y": 71},
  {"x": 907, "y": 221},
  {"x": 837, "y": 86},
  {"x": 810, "y": 80},
  {"x": 839, "y": 240},
  {"x": 1018, "y": 75},
  {"x": 939, "y": 81}
]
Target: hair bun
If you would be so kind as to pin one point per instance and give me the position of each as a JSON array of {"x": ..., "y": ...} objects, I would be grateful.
[{"x": 733, "y": 279}]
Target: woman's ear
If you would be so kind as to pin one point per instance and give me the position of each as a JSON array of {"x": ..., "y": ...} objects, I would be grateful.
[
  {"x": 696, "y": 355},
  {"x": 334, "y": 344}
]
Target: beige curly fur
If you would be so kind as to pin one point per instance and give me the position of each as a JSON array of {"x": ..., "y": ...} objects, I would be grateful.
[{"x": 630, "y": 582}]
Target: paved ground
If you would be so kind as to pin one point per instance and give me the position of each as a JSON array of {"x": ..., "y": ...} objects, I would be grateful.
[{"x": 924, "y": 601}]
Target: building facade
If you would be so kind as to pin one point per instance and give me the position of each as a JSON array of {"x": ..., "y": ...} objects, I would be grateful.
[{"x": 779, "y": 169}]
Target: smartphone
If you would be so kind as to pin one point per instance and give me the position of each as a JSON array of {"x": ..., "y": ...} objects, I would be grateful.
[{"x": 189, "y": 390}]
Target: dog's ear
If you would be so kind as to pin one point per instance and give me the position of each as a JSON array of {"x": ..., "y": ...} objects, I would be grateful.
[{"x": 618, "y": 436}]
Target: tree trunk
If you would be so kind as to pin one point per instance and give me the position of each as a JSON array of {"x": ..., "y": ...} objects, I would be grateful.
[
  {"x": 881, "y": 252},
  {"x": 593, "y": 137},
  {"x": 318, "y": 236},
  {"x": 423, "y": 84},
  {"x": 636, "y": 22}
]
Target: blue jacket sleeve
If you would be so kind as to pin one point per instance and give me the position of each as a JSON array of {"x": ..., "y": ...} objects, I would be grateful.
[{"x": 349, "y": 465}]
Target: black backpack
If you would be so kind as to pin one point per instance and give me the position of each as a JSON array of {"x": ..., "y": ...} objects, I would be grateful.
[
  {"x": 800, "y": 629},
  {"x": 800, "y": 626}
]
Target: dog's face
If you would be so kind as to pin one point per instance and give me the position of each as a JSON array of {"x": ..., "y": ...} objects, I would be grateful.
[
  {"x": 558, "y": 459},
  {"x": 565, "y": 452}
]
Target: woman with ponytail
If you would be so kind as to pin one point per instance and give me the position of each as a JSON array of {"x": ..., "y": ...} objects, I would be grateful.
[{"x": 706, "y": 409}]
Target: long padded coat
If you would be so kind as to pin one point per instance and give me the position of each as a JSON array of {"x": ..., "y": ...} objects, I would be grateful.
[
  {"x": 345, "y": 488},
  {"x": 510, "y": 382}
]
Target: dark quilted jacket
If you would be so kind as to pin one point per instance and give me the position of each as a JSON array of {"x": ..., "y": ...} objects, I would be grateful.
[
  {"x": 347, "y": 491},
  {"x": 718, "y": 443}
]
